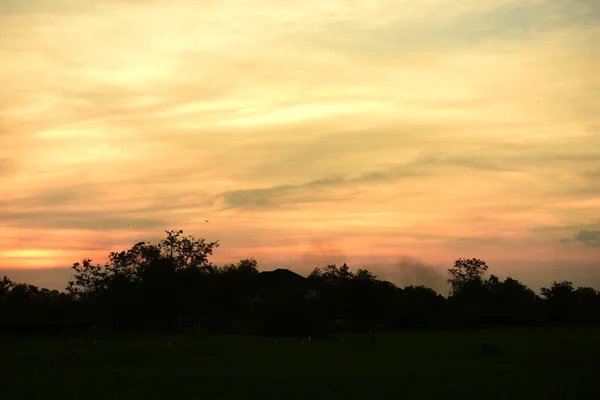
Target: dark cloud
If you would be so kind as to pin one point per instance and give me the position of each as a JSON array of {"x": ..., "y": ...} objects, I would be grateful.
[
  {"x": 302, "y": 193},
  {"x": 277, "y": 195},
  {"x": 315, "y": 190},
  {"x": 592, "y": 174},
  {"x": 593, "y": 225},
  {"x": 564, "y": 241},
  {"x": 588, "y": 238}
]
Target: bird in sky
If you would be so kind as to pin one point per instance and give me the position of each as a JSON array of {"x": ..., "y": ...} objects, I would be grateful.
[{"x": 206, "y": 220}]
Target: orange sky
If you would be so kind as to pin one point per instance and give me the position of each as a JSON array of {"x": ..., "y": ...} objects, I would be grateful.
[{"x": 305, "y": 132}]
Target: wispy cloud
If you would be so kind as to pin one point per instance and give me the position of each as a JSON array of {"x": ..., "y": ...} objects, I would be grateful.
[
  {"x": 388, "y": 127},
  {"x": 6, "y": 166},
  {"x": 316, "y": 190}
]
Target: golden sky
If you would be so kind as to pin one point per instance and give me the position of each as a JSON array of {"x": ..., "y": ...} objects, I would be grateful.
[{"x": 305, "y": 132}]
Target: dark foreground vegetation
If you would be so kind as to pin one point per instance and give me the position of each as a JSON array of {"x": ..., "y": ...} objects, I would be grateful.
[
  {"x": 171, "y": 286},
  {"x": 159, "y": 321},
  {"x": 515, "y": 363}
]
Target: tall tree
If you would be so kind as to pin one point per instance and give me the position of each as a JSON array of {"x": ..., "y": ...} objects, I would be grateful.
[
  {"x": 511, "y": 302},
  {"x": 560, "y": 301},
  {"x": 5, "y": 286},
  {"x": 466, "y": 272}
]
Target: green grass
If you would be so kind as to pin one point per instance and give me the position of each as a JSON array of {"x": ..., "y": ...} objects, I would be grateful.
[{"x": 531, "y": 364}]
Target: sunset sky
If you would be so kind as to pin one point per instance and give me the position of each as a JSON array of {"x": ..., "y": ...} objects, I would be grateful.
[{"x": 396, "y": 135}]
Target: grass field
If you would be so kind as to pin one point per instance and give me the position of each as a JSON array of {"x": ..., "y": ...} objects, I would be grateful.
[{"x": 530, "y": 364}]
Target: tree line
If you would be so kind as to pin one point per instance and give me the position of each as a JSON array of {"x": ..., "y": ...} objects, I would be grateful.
[{"x": 172, "y": 286}]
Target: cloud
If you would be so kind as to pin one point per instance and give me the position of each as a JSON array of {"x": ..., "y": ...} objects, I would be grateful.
[
  {"x": 16, "y": 7},
  {"x": 318, "y": 190},
  {"x": 589, "y": 224},
  {"x": 411, "y": 147},
  {"x": 84, "y": 220},
  {"x": 140, "y": 195},
  {"x": 406, "y": 31},
  {"x": 7, "y": 166},
  {"x": 523, "y": 20},
  {"x": 61, "y": 7},
  {"x": 276, "y": 195},
  {"x": 51, "y": 197},
  {"x": 412, "y": 271},
  {"x": 588, "y": 238},
  {"x": 592, "y": 174},
  {"x": 483, "y": 240},
  {"x": 312, "y": 191},
  {"x": 564, "y": 241}
]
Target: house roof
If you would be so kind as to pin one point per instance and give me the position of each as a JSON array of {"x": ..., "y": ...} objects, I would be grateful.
[{"x": 279, "y": 278}]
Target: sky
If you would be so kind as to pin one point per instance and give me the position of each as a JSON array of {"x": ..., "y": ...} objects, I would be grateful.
[{"x": 394, "y": 135}]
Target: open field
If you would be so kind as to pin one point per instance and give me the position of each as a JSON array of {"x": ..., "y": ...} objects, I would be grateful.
[{"x": 529, "y": 364}]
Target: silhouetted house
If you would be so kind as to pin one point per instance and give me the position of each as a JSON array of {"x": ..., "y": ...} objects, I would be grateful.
[
  {"x": 281, "y": 283},
  {"x": 313, "y": 294},
  {"x": 284, "y": 303}
]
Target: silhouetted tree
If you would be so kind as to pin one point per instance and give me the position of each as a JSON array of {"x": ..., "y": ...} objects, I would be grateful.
[
  {"x": 466, "y": 272},
  {"x": 565, "y": 305},
  {"x": 166, "y": 284},
  {"x": 510, "y": 302},
  {"x": 560, "y": 300},
  {"x": 5, "y": 286},
  {"x": 587, "y": 305},
  {"x": 419, "y": 307},
  {"x": 142, "y": 282}
]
